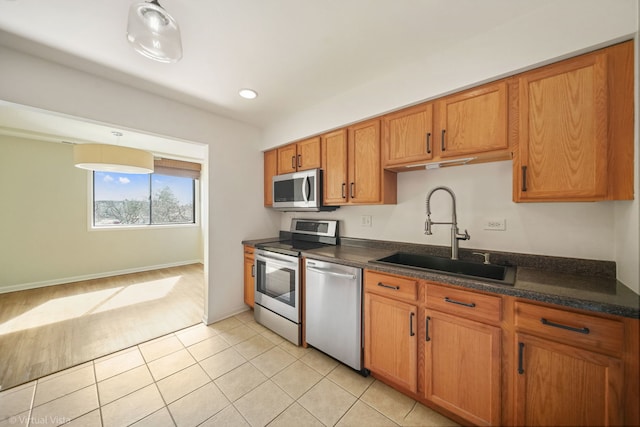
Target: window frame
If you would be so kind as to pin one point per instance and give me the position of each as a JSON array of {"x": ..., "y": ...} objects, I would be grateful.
[{"x": 120, "y": 227}]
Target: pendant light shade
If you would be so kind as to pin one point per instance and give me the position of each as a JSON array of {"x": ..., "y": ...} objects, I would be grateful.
[
  {"x": 112, "y": 158},
  {"x": 153, "y": 32}
]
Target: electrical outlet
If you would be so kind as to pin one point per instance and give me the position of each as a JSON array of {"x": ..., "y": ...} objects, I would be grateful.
[
  {"x": 495, "y": 224},
  {"x": 366, "y": 221}
]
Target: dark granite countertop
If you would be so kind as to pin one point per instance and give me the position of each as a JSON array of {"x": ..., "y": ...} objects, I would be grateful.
[{"x": 578, "y": 283}]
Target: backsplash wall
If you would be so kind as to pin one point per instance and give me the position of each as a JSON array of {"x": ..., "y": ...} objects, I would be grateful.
[{"x": 483, "y": 193}]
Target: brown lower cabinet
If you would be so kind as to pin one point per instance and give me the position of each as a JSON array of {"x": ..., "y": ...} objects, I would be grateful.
[
  {"x": 561, "y": 385},
  {"x": 487, "y": 359},
  {"x": 462, "y": 361},
  {"x": 249, "y": 274},
  {"x": 391, "y": 324},
  {"x": 392, "y": 349}
]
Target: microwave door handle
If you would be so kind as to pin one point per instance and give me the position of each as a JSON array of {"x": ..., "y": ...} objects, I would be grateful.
[{"x": 306, "y": 189}]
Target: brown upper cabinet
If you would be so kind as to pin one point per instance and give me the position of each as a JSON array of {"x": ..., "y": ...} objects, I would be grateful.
[
  {"x": 568, "y": 126},
  {"x": 408, "y": 135},
  {"x": 299, "y": 156},
  {"x": 576, "y": 129},
  {"x": 270, "y": 170},
  {"x": 353, "y": 172},
  {"x": 473, "y": 123}
]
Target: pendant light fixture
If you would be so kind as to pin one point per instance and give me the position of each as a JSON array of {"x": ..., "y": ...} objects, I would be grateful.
[
  {"x": 153, "y": 32},
  {"x": 112, "y": 158}
]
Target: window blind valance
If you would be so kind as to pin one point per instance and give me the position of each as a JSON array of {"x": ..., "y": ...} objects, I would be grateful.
[{"x": 177, "y": 168}]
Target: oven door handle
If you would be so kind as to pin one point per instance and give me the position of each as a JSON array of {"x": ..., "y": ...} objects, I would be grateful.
[
  {"x": 333, "y": 273},
  {"x": 276, "y": 260}
]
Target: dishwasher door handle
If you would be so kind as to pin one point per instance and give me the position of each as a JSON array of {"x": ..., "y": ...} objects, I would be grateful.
[{"x": 333, "y": 273}]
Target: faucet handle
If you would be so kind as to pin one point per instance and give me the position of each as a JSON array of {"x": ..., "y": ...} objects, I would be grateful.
[
  {"x": 486, "y": 256},
  {"x": 464, "y": 236}
]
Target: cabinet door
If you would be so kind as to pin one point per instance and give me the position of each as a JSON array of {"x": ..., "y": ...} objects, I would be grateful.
[
  {"x": 249, "y": 274},
  {"x": 563, "y": 131},
  {"x": 364, "y": 163},
  {"x": 474, "y": 121},
  {"x": 308, "y": 154},
  {"x": 561, "y": 385},
  {"x": 287, "y": 159},
  {"x": 462, "y": 372},
  {"x": 270, "y": 170},
  {"x": 334, "y": 163},
  {"x": 408, "y": 136},
  {"x": 390, "y": 344}
]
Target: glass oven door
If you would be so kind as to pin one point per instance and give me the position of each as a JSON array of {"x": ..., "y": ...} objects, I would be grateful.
[{"x": 276, "y": 282}]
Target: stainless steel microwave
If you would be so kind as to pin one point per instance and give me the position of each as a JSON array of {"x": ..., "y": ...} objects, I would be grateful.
[{"x": 299, "y": 191}]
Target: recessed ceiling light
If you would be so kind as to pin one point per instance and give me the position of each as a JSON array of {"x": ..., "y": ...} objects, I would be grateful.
[{"x": 248, "y": 93}]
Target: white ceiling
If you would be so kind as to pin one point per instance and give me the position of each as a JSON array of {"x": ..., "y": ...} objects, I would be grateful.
[{"x": 294, "y": 53}]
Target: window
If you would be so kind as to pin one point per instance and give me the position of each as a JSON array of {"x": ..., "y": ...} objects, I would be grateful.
[{"x": 122, "y": 199}]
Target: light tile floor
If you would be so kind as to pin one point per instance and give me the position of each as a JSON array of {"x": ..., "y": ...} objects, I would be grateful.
[{"x": 232, "y": 373}]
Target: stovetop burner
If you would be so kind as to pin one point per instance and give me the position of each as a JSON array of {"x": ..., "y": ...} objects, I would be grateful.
[{"x": 304, "y": 235}]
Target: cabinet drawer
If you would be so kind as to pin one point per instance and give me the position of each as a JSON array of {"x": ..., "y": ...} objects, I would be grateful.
[
  {"x": 392, "y": 286},
  {"x": 583, "y": 330},
  {"x": 472, "y": 305}
]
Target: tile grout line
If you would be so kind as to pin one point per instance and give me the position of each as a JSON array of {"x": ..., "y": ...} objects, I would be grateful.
[
  {"x": 155, "y": 382},
  {"x": 95, "y": 377},
  {"x": 33, "y": 399},
  {"x": 280, "y": 346}
]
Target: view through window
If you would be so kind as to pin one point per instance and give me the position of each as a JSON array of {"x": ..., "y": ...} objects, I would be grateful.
[{"x": 121, "y": 199}]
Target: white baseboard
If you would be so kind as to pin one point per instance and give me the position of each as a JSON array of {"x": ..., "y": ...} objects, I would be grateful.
[
  {"x": 218, "y": 318},
  {"x": 63, "y": 280}
]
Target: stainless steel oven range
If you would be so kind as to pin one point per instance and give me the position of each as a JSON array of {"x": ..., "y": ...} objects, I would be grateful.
[{"x": 277, "y": 280}]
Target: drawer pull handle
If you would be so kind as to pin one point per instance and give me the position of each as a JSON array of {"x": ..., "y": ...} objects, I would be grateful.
[
  {"x": 253, "y": 270},
  {"x": 466, "y": 304},
  {"x": 524, "y": 179},
  {"x": 344, "y": 185},
  {"x": 426, "y": 328},
  {"x": 520, "y": 356},
  {"x": 561, "y": 326},
  {"x": 442, "y": 148},
  {"x": 382, "y": 285},
  {"x": 428, "y": 142},
  {"x": 411, "y": 333}
]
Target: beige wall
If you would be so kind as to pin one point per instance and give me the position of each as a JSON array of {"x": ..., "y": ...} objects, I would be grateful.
[
  {"x": 604, "y": 230},
  {"x": 232, "y": 178},
  {"x": 44, "y": 224}
]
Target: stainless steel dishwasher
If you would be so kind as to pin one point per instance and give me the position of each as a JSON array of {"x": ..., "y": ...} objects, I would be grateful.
[{"x": 333, "y": 307}]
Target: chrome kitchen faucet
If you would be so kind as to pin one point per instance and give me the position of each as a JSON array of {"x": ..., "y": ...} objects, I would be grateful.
[{"x": 455, "y": 235}]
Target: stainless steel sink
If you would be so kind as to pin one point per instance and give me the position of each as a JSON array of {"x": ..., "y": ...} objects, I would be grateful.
[{"x": 495, "y": 273}]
